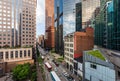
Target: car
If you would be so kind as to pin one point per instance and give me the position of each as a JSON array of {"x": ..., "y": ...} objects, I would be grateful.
[
  {"x": 70, "y": 78},
  {"x": 65, "y": 74},
  {"x": 55, "y": 69}
]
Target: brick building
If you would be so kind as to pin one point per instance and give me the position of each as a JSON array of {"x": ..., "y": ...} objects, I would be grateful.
[{"x": 75, "y": 43}]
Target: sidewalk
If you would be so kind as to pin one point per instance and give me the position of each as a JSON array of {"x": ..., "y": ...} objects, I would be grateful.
[
  {"x": 56, "y": 56},
  {"x": 73, "y": 75},
  {"x": 39, "y": 75}
]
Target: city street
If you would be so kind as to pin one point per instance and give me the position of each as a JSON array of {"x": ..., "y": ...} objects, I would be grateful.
[
  {"x": 59, "y": 70},
  {"x": 7, "y": 77}
]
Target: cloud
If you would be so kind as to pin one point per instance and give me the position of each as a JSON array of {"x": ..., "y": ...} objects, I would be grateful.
[{"x": 40, "y": 17}]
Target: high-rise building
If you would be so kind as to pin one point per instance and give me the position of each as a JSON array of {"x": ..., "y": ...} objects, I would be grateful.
[
  {"x": 40, "y": 39},
  {"x": 110, "y": 26},
  {"x": 58, "y": 23},
  {"x": 71, "y": 13},
  {"x": 49, "y": 24},
  {"x": 88, "y": 8},
  {"x": 116, "y": 44},
  {"x": 17, "y": 31},
  {"x": 17, "y": 23},
  {"x": 106, "y": 25},
  {"x": 101, "y": 24}
]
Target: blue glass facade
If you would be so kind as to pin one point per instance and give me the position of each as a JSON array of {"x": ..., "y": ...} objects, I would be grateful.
[
  {"x": 107, "y": 25},
  {"x": 58, "y": 11},
  {"x": 116, "y": 30},
  {"x": 69, "y": 16},
  {"x": 110, "y": 26}
]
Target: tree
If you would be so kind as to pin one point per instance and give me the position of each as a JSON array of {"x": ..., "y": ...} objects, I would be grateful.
[{"x": 21, "y": 72}]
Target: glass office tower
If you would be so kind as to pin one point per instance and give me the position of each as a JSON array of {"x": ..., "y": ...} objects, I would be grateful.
[
  {"x": 69, "y": 16},
  {"x": 58, "y": 23},
  {"x": 110, "y": 25},
  {"x": 101, "y": 24},
  {"x": 116, "y": 25},
  {"x": 107, "y": 30},
  {"x": 88, "y": 9},
  {"x": 78, "y": 18}
]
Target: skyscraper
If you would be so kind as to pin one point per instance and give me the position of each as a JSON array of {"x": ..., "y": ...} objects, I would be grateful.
[
  {"x": 88, "y": 8},
  {"x": 17, "y": 23},
  {"x": 49, "y": 24},
  {"x": 17, "y": 31},
  {"x": 69, "y": 16},
  {"x": 58, "y": 23},
  {"x": 116, "y": 4},
  {"x": 106, "y": 25}
]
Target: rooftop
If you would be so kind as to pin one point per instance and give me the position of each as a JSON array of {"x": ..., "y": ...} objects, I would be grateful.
[{"x": 97, "y": 53}]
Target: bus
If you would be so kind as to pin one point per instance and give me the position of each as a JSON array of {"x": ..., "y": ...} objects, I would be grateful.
[
  {"x": 54, "y": 76},
  {"x": 49, "y": 67}
]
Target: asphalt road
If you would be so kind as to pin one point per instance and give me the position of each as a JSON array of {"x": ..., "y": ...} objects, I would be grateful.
[{"x": 60, "y": 69}]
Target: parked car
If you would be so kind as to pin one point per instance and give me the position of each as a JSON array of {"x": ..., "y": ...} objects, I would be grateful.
[
  {"x": 55, "y": 69},
  {"x": 70, "y": 78},
  {"x": 65, "y": 74}
]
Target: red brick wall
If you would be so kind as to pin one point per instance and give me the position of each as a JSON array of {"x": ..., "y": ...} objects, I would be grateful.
[{"x": 84, "y": 41}]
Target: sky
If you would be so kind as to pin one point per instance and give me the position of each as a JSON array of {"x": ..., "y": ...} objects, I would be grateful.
[{"x": 40, "y": 17}]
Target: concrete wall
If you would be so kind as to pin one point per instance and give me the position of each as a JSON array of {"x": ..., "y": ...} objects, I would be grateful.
[{"x": 102, "y": 73}]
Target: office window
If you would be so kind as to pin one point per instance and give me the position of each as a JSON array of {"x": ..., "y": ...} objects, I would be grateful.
[
  {"x": 4, "y": 18},
  {"x": 100, "y": 80},
  {"x": 11, "y": 55},
  {"x": 93, "y": 66},
  {"x": 8, "y": 19},
  {"x": 4, "y": 22},
  {"x": 71, "y": 50},
  {"x": 16, "y": 54},
  {"x": 6, "y": 55},
  {"x": 8, "y": 11},
  {"x": 29, "y": 53},
  {"x": 24, "y": 53},
  {"x": 8, "y": 7},
  {"x": 1, "y": 55},
  {"x": 4, "y": 14},
  {"x": 8, "y": 15},
  {"x": 118, "y": 73},
  {"x": 4, "y": 11},
  {"x": 8, "y": 26},
  {"x": 4, "y": 34},
  {"x": 8, "y": 23},
  {"x": 20, "y": 54}
]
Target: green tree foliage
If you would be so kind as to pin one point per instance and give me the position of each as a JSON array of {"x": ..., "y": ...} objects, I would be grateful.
[{"x": 21, "y": 72}]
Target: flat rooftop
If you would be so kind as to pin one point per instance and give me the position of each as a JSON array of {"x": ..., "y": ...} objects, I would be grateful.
[{"x": 97, "y": 53}]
